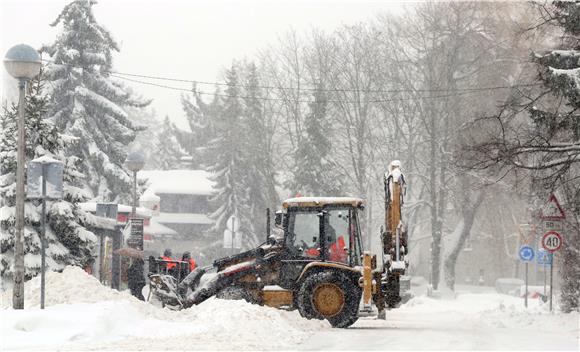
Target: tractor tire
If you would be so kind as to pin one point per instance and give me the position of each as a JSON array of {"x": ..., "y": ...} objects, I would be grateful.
[{"x": 329, "y": 295}]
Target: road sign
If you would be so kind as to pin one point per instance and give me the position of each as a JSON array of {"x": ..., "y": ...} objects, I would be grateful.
[
  {"x": 544, "y": 257},
  {"x": 232, "y": 240},
  {"x": 228, "y": 238},
  {"x": 233, "y": 223},
  {"x": 552, "y": 241},
  {"x": 527, "y": 233},
  {"x": 47, "y": 171},
  {"x": 526, "y": 253},
  {"x": 552, "y": 210},
  {"x": 552, "y": 225},
  {"x": 135, "y": 240},
  {"x": 238, "y": 240},
  {"x": 107, "y": 210}
]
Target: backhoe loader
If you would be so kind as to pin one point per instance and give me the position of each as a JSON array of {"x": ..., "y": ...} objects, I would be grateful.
[{"x": 313, "y": 262}]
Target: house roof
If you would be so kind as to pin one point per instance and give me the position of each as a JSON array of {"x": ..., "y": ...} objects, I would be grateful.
[
  {"x": 121, "y": 208},
  {"x": 195, "y": 182},
  {"x": 183, "y": 218},
  {"x": 156, "y": 228}
]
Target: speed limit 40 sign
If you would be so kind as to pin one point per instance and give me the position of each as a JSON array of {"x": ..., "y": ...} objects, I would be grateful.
[{"x": 552, "y": 241}]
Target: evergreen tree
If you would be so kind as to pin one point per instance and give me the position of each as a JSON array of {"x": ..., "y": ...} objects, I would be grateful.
[
  {"x": 68, "y": 240},
  {"x": 88, "y": 104},
  {"x": 229, "y": 168},
  {"x": 199, "y": 115},
  {"x": 258, "y": 155},
  {"x": 168, "y": 152},
  {"x": 315, "y": 172},
  {"x": 557, "y": 137},
  {"x": 147, "y": 139}
]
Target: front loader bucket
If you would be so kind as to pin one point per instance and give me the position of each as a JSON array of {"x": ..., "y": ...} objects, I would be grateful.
[
  {"x": 198, "y": 286},
  {"x": 164, "y": 288}
]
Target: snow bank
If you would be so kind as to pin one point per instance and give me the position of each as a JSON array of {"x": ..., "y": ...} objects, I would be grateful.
[
  {"x": 470, "y": 322},
  {"x": 493, "y": 310},
  {"x": 73, "y": 285},
  {"x": 82, "y": 314}
]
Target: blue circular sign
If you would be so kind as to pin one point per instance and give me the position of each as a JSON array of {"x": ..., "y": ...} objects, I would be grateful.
[{"x": 526, "y": 253}]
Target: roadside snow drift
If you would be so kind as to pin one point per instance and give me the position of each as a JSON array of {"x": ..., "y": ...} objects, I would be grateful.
[{"x": 83, "y": 314}]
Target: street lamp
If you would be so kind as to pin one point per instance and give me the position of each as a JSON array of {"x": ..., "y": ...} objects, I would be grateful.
[
  {"x": 135, "y": 162},
  {"x": 23, "y": 63}
]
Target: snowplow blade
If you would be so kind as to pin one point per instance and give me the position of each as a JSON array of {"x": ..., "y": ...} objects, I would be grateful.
[{"x": 198, "y": 286}]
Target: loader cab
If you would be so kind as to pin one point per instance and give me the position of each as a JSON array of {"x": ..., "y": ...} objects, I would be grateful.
[{"x": 321, "y": 229}]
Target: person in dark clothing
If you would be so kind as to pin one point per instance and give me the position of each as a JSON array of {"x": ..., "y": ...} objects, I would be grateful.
[
  {"x": 189, "y": 267},
  {"x": 136, "y": 280}
]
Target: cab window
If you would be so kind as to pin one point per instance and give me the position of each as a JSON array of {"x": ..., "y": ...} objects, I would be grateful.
[
  {"x": 339, "y": 234},
  {"x": 302, "y": 237}
]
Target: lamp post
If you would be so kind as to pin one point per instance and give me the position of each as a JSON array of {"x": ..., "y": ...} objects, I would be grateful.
[
  {"x": 135, "y": 162},
  {"x": 23, "y": 63}
]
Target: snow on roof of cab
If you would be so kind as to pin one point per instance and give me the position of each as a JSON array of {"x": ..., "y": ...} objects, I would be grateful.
[
  {"x": 321, "y": 201},
  {"x": 177, "y": 181}
]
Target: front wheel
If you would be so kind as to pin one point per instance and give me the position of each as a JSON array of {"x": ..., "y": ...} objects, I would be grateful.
[{"x": 329, "y": 295}]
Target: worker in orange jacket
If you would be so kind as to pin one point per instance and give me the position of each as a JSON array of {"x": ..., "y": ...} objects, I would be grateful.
[
  {"x": 187, "y": 258},
  {"x": 167, "y": 256}
]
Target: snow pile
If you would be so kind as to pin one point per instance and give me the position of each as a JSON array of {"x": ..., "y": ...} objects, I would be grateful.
[
  {"x": 81, "y": 313},
  {"x": 73, "y": 285},
  {"x": 231, "y": 325},
  {"x": 497, "y": 311}
]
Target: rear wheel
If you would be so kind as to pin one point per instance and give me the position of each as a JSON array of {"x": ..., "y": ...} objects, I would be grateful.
[{"x": 329, "y": 295}]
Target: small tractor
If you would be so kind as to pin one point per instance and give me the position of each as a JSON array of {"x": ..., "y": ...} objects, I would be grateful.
[{"x": 313, "y": 262}]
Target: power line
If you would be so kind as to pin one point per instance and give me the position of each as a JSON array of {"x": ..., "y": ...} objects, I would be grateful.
[
  {"x": 295, "y": 100},
  {"x": 304, "y": 88},
  {"x": 477, "y": 89}
]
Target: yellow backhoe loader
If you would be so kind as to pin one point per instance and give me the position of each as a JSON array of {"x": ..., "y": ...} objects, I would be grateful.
[{"x": 313, "y": 262}]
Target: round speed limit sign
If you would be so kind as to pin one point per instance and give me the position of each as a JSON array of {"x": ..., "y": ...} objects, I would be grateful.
[{"x": 552, "y": 241}]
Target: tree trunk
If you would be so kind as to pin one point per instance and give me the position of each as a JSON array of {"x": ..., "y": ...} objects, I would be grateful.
[{"x": 466, "y": 222}]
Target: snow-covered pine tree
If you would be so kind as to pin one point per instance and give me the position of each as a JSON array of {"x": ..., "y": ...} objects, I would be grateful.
[
  {"x": 557, "y": 139},
  {"x": 199, "y": 115},
  {"x": 68, "y": 240},
  {"x": 228, "y": 168},
  {"x": 168, "y": 151},
  {"x": 258, "y": 152},
  {"x": 146, "y": 140},
  {"x": 87, "y": 103},
  {"x": 315, "y": 173}
]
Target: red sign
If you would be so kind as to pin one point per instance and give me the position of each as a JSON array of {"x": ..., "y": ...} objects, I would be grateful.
[
  {"x": 552, "y": 241},
  {"x": 552, "y": 210}
]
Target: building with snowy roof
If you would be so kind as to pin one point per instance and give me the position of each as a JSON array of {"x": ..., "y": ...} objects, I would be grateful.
[{"x": 178, "y": 200}]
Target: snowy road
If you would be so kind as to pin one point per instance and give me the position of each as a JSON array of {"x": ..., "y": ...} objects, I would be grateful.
[
  {"x": 82, "y": 314},
  {"x": 471, "y": 322}
]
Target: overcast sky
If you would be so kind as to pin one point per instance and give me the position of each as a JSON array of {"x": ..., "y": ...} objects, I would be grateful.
[{"x": 184, "y": 39}]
